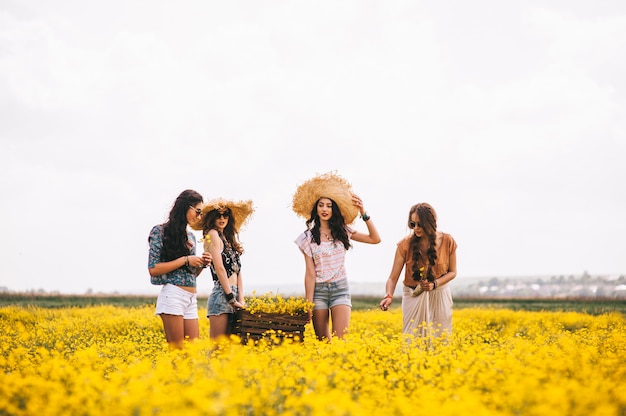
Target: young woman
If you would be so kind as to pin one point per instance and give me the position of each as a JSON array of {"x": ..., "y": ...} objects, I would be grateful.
[
  {"x": 172, "y": 263},
  {"x": 222, "y": 220},
  {"x": 429, "y": 257},
  {"x": 328, "y": 205}
]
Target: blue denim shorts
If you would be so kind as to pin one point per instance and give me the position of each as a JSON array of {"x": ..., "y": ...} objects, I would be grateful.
[
  {"x": 217, "y": 303},
  {"x": 174, "y": 300},
  {"x": 331, "y": 294}
]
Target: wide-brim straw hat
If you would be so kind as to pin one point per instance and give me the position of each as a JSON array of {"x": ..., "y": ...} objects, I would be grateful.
[
  {"x": 326, "y": 185},
  {"x": 241, "y": 211}
]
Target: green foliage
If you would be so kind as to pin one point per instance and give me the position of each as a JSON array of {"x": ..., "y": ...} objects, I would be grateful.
[
  {"x": 592, "y": 306},
  {"x": 79, "y": 301}
]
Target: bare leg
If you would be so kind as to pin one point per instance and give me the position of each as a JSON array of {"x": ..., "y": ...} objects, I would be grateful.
[
  {"x": 174, "y": 330},
  {"x": 341, "y": 319},
  {"x": 219, "y": 325},
  {"x": 192, "y": 329},
  {"x": 321, "y": 324}
]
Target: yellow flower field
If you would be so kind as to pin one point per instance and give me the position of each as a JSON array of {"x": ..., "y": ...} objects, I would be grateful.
[{"x": 114, "y": 361}]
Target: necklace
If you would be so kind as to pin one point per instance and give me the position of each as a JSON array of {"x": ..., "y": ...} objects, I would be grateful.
[{"x": 329, "y": 238}]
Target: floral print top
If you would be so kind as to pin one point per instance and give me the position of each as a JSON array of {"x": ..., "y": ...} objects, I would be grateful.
[{"x": 183, "y": 276}]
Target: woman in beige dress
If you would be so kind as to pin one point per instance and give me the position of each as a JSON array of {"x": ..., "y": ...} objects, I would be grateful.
[{"x": 429, "y": 259}]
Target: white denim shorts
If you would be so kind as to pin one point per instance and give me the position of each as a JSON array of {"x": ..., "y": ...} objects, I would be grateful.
[{"x": 173, "y": 300}]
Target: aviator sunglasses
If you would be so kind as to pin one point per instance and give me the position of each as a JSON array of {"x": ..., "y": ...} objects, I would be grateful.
[{"x": 412, "y": 224}]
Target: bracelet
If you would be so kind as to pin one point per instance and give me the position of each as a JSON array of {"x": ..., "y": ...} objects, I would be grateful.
[
  {"x": 365, "y": 217},
  {"x": 435, "y": 283},
  {"x": 230, "y": 297},
  {"x": 388, "y": 296},
  {"x": 186, "y": 260}
]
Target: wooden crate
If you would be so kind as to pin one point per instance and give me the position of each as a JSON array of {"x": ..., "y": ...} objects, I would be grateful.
[{"x": 274, "y": 327}]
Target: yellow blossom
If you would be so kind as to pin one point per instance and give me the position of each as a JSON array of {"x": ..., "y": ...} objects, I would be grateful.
[
  {"x": 270, "y": 303},
  {"x": 107, "y": 360}
]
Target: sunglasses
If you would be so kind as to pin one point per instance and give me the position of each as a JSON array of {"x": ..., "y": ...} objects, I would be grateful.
[
  {"x": 198, "y": 211},
  {"x": 412, "y": 224},
  {"x": 225, "y": 215}
]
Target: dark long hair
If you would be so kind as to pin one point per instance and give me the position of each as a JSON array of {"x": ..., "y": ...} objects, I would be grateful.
[
  {"x": 427, "y": 216},
  {"x": 230, "y": 231},
  {"x": 337, "y": 225},
  {"x": 175, "y": 229}
]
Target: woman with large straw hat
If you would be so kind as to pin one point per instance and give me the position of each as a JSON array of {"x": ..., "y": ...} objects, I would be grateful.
[
  {"x": 329, "y": 207},
  {"x": 429, "y": 258},
  {"x": 172, "y": 263},
  {"x": 222, "y": 220}
]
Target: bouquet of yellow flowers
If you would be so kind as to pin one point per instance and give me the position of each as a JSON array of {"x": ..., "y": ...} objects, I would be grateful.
[{"x": 270, "y": 303}]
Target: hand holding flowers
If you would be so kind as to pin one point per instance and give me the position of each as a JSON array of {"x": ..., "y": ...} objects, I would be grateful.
[{"x": 418, "y": 289}]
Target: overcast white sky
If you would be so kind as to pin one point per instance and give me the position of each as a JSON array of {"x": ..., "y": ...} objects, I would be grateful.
[{"x": 508, "y": 117}]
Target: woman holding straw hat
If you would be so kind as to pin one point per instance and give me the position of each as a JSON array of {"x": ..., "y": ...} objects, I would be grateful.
[
  {"x": 221, "y": 221},
  {"x": 429, "y": 258},
  {"x": 172, "y": 263},
  {"x": 329, "y": 207}
]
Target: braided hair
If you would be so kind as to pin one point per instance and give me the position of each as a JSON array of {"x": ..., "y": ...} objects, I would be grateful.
[{"x": 427, "y": 217}]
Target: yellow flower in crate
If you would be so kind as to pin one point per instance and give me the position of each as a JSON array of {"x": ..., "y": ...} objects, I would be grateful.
[
  {"x": 270, "y": 303},
  {"x": 272, "y": 316}
]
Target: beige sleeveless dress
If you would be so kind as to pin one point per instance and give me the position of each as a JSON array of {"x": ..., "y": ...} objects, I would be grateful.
[{"x": 429, "y": 313}]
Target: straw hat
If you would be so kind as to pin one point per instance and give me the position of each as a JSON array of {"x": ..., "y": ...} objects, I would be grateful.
[
  {"x": 327, "y": 185},
  {"x": 239, "y": 210}
]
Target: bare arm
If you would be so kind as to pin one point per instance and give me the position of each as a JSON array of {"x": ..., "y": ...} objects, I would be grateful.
[
  {"x": 372, "y": 236},
  {"x": 240, "y": 288},
  {"x": 309, "y": 279},
  {"x": 159, "y": 268},
  {"x": 168, "y": 266},
  {"x": 392, "y": 280}
]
